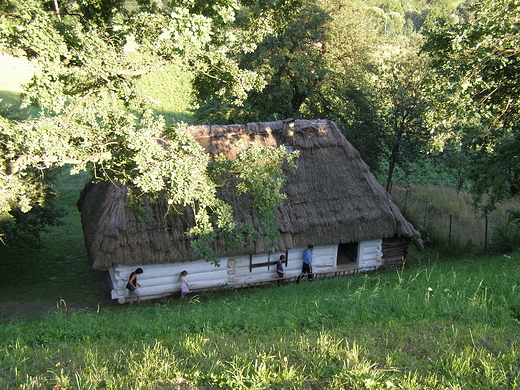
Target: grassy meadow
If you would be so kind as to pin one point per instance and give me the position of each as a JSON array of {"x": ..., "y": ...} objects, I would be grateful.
[
  {"x": 439, "y": 324},
  {"x": 36, "y": 280}
]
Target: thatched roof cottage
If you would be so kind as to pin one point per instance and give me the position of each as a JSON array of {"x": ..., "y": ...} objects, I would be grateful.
[{"x": 333, "y": 202}]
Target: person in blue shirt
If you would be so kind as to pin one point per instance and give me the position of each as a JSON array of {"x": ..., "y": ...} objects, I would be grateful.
[
  {"x": 307, "y": 262},
  {"x": 279, "y": 270}
]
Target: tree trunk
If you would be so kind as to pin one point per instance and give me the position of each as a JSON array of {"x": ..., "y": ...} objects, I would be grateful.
[{"x": 391, "y": 166}]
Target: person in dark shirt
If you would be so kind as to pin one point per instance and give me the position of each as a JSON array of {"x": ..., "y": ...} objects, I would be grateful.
[
  {"x": 132, "y": 285},
  {"x": 279, "y": 270}
]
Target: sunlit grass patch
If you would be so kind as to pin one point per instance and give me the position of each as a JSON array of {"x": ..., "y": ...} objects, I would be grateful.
[{"x": 451, "y": 324}]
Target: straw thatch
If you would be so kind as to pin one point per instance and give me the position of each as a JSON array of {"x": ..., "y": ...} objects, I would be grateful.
[{"x": 332, "y": 198}]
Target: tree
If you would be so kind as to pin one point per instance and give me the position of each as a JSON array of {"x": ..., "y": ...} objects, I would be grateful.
[
  {"x": 343, "y": 93},
  {"x": 90, "y": 113},
  {"x": 400, "y": 101},
  {"x": 373, "y": 87},
  {"x": 291, "y": 63},
  {"x": 477, "y": 92}
]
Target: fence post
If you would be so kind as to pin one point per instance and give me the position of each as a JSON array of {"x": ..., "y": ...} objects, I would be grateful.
[
  {"x": 449, "y": 233},
  {"x": 485, "y": 235},
  {"x": 405, "y": 202},
  {"x": 425, "y": 214}
]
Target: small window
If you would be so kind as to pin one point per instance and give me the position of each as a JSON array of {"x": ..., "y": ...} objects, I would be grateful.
[{"x": 272, "y": 258}]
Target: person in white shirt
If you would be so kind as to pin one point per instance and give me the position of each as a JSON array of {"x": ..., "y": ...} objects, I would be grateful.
[{"x": 185, "y": 287}]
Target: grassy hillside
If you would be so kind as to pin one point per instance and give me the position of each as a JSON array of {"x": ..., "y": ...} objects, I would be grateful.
[
  {"x": 446, "y": 325},
  {"x": 37, "y": 280},
  {"x": 442, "y": 322},
  {"x": 168, "y": 87},
  {"x": 15, "y": 72}
]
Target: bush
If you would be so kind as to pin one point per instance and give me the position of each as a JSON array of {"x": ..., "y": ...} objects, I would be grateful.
[
  {"x": 506, "y": 237},
  {"x": 24, "y": 229}
]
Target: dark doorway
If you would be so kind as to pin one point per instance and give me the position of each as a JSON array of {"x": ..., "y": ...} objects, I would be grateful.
[{"x": 347, "y": 253}]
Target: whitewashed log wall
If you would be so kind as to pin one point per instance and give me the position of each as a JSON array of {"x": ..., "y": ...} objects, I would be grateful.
[
  {"x": 159, "y": 280},
  {"x": 370, "y": 254}
]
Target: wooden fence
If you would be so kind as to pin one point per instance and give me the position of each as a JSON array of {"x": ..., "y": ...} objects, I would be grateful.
[{"x": 454, "y": 224}]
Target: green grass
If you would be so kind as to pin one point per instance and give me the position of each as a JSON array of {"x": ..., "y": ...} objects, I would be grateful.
[
  {"x": 445, "y": 325},
  {"x": 170, "y": 89},
  {"x": 16, "y": 72},
  {"x": 439, "y": 323},
  {"x": 36, "y": 280}
]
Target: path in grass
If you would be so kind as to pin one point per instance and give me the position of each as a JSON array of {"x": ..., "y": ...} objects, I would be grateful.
[{"x": 36, "y": 281}]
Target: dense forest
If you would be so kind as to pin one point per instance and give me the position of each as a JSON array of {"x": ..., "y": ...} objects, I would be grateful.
[{"x": 425, "y": 90}]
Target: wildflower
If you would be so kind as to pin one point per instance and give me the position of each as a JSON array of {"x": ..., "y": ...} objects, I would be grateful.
[{"x": 430, "y": 289}]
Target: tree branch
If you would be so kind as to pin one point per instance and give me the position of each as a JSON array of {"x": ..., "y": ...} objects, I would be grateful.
[{"x": 23, "y": 161}]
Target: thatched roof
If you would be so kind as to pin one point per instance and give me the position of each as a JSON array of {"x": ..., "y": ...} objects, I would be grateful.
[{"x": 332, "y": 198}]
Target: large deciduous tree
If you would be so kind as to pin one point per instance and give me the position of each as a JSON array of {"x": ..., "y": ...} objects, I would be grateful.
[
  {"x": 373, "y": 86},
  {"x": 342, "y": 94},
  {"x": 292, "y": 64},
  {"x": 400, "y": 103},
  {"x": 477, "y": 92},
  {"x": 89, "y": 112}
]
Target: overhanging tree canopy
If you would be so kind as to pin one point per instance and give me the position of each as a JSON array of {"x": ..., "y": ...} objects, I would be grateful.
[{"x": 89, "y": 111}]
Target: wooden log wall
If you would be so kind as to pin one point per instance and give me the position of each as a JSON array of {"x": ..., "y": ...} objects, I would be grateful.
[
  {"x": 395, "y": 252},
  {"x": 159, "y": 280}
]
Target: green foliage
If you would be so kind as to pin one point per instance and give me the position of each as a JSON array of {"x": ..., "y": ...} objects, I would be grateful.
[
  {"x": 22, "y": 219},
  {"x": 94, "y": 116},
  {"x": 399, "y": 103},
  {"x": 257, "y": 171},
  {"x": 24, "y": 228},
  {"x": 260, "y": 173},
  {"x": 506, "y": 234},
  {"x": 241, "y": 232},
  {"x": 373, "y": 84},
  {"x": 344, "y": 93},
  {"x": 291, "y": 64},
  {"x": 496, "y": 172},
  {"x": 476, "y": 92},
  {"x": 170, "y": 90},
  {"x": 431, "y": 169}
]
